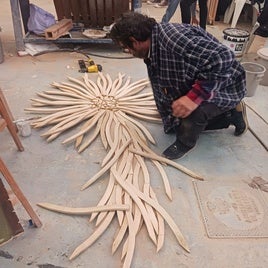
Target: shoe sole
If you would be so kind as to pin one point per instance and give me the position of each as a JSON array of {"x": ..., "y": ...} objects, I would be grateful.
[{"x": 244, "y": 114}]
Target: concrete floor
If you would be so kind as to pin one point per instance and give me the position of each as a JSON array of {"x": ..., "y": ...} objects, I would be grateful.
[{"x": 54, "y": 172}]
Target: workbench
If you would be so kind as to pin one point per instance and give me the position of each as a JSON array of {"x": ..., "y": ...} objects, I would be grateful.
[{"x": 20, "y": 13}]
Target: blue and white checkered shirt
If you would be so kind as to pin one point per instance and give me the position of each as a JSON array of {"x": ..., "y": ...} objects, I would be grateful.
[{"x": 186, "y": 60}]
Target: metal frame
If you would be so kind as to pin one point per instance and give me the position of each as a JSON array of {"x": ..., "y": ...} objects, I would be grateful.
[{"x": 20, "y": 13}]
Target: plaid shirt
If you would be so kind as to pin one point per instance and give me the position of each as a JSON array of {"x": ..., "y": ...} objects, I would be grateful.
[{"x": 186, "y": 60}]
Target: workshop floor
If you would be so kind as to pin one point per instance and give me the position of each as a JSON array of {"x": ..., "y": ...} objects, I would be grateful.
[{"x": 52, "y": 172}]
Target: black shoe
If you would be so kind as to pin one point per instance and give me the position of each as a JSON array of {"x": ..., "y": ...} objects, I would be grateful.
[
  {"x": 239, "y": 119},
  {"x": 262, "y": 31},
  {"x": 176, "y": 150}
]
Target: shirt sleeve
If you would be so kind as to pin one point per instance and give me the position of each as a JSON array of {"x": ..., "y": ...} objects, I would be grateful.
[{"x": 197, "y": 93}]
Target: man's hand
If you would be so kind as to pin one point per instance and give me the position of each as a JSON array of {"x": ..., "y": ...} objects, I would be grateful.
[{"x": 183, "y": 107}]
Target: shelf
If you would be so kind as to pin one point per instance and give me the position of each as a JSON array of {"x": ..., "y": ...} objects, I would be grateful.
[{"x": 75, "y": 37}]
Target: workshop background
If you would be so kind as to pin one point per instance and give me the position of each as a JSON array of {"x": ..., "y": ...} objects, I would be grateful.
[{"x": 54, "y": 173}]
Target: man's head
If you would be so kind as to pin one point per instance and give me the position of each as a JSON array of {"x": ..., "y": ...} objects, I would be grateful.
[{"x": 133, "y": 31}]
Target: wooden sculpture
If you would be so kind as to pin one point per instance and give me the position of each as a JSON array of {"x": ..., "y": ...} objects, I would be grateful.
[{"x": 108, "y": 109}]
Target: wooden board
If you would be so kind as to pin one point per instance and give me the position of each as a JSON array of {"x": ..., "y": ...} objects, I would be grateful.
[
  {"x": 9, "y": 221},
  {"x": 92, "y": 13}
]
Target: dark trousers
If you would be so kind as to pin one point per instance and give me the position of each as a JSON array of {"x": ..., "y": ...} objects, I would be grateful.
[
  {"x": 186, "y": 12},
  {"x": 263, "y": 17},
  {"x": 207, "y": 116}
]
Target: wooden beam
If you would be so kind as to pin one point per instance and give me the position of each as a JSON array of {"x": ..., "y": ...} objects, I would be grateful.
[{"x": 17, "y": 191}]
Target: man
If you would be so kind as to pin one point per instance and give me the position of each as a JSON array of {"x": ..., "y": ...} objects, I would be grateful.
[{"x": 196, "y": 81}]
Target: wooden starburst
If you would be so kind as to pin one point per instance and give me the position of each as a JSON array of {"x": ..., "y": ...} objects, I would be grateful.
[{"x": 110, "y": 110}]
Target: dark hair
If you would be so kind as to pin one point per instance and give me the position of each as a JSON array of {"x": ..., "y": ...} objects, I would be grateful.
[{"x": 132, "y": 24}]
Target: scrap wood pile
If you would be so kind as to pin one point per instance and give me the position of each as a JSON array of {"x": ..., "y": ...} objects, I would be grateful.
[{"x": 108, "y": 109}]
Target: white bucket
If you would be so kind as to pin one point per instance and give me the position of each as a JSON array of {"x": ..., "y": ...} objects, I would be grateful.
[
  {"x": 263, "y": 60},
  {"x": 254, "y": 74},
  {"x": 236, "y": 40}
]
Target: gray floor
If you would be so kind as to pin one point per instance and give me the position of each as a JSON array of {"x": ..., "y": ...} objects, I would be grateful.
[{"x": 54, "y": 172}]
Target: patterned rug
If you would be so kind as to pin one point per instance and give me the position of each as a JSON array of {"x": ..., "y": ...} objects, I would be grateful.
[{"x": 232, "y": 210}]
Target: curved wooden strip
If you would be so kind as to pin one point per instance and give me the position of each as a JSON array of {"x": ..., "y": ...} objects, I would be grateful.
[
  {"x": 50, "y": 110},
  {"x": 62, "y": 93},
  {"x": 138, "y": 110},
  {"x": 98, "y": 232},
  {"x": 81, "y": 132},
  {"x": 69, "y": 88},
  {"x": 140, "y": 126},
  {"x": 105, "y": 197},
  {"x": 130, "y": 241},
  {"x": 117, "y": 137},
  {"x": 137, "y": 200},
  {"x": 105, "y": 168},
  {"x": 118, "y": 201},
  {"x": 161, "y": 224},
  {"x": 141, "y": 116},
  {"x": 73, "y": 88},
  {"x": 91, "y": 86},
  {"x": 164, "y": 178},
  {"x": 103, "y": 128},
  {"x": 69, "y": 122},
  {"x": 109, "y": 85},
  {"x": 122, "y": 88},
  {"x": 133, "y": 89},
  {"x": 109, "y": 129},
  {"x": 55, "y": 97},
  {"x": 82, "y": 211},
  {"x": 141, "y": 96},
  {"x": 146, "y": 191},
  {"x": 79, "y": 85},
  {"x": 117, "y": 84},
  {"x": 120, "y": 235},
  {"x": 111, "y": 201},
  {"x": 36, "y": 103},
  {"x": 134, "y": 193},
  {"x": 169, "y": 162},
  {"x": 83, "y": 87},
  {"x": 87, "y": 142},
  {"x": 57, "y": 117},
  {"x": 102, "y": 83}
]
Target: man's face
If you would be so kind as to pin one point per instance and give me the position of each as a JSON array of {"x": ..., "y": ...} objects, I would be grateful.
[{"x": 139, "y": 49}]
